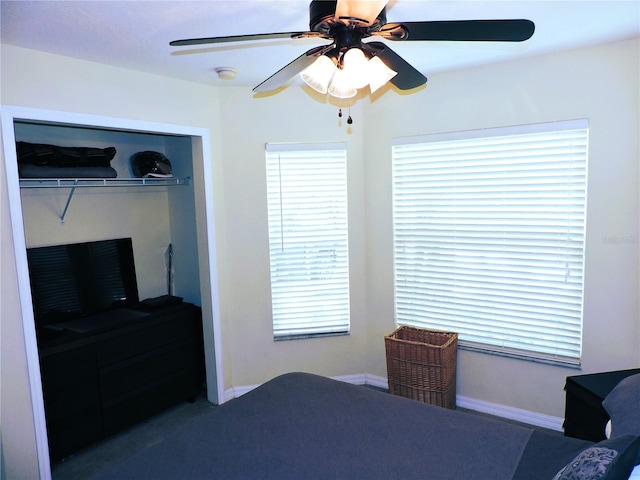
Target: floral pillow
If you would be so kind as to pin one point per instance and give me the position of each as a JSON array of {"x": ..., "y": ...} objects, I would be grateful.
[{"x": 611, "y": 459}]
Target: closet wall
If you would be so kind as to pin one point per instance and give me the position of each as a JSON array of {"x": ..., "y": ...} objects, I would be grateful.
[{"x": 153, "y": 216}]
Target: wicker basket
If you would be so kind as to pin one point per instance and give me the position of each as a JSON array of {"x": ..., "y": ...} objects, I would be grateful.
[{"x": 421, "y": 364}]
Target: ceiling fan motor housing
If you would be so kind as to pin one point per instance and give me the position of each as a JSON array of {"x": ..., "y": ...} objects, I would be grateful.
[{"x": 322, "y": 15}]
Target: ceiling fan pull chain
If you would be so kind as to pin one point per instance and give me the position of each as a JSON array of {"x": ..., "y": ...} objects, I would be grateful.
[
  {"x": 339, "y": 112},
  {"x": 349, "y": 121}
]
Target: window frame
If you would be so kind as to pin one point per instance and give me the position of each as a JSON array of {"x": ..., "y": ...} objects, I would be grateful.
[
  {"x": 328, "y": 278},
  {"x": 467, "y": 340}
]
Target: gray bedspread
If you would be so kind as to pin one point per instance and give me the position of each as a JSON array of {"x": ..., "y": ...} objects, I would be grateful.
[{"x": 303, "y": 426}]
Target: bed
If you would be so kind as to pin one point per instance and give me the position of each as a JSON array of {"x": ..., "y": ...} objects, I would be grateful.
[{"x": 304, "y": 426}]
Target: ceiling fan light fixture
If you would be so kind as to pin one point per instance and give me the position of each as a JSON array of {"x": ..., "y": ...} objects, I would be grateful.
[
  {"x": 357, "y": 72},
  {"x": 318, "y": 75},
  {"x": 378, "y": 73}
]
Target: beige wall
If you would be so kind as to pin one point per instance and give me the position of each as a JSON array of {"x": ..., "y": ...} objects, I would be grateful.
[
  {"x": 597, "y": 83},
  {"x": 290, "y": 116},
  {"x": 33, "y": 79}
]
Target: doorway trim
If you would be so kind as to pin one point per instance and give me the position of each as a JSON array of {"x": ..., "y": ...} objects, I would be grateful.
[{"x": 209, "y": 289}]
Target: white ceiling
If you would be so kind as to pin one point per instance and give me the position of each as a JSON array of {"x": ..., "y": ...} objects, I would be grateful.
[{"x": 136, "y": 34}]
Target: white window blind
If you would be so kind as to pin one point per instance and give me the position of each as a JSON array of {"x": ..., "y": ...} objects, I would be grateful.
[
  {"x": 489, "y": 237},
  {"x": 307, "y": 206}
]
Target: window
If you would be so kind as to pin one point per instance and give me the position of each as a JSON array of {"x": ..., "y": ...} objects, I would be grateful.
[
  {"x": 307, "y": 206},
  {"x": 489, "y": 237}
]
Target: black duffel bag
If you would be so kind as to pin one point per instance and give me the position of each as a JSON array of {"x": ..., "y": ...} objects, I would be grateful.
[{"x": 53, "y": 156}]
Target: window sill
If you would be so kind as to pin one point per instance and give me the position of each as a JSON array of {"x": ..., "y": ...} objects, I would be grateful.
[
  {"x": 574, "y": 363},
  {"x": 309, "y": 335}
]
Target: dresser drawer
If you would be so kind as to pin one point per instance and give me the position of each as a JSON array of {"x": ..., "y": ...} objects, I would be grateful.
[
  {"x": 137, "y": 373},
  {"x": 149, "y": 335},
  {"x": 153, "y": 398},
  {"x": 71, "y": 399}
]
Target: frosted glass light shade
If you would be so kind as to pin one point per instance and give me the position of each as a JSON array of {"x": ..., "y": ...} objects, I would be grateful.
[
  {"x": 378, "y": 73},
  {"x": 356, "y": 67},
  {"x": 341, "y": 85},
  {"x": 318, "y": 74}
]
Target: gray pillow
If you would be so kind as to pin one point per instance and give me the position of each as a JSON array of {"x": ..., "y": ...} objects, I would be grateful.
[{"x": 623, "y": 406}]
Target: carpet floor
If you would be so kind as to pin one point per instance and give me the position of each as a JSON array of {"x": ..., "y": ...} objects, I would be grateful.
[{"x": 92, "y": 459}]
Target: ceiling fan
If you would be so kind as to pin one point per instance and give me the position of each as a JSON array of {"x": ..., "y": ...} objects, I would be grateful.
[{"x": 346, "y": 23}]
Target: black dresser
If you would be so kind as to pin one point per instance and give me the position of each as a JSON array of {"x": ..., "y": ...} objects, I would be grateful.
[
  {"x": 104, "y": 373},
  {"x": 584, "y": 416}
]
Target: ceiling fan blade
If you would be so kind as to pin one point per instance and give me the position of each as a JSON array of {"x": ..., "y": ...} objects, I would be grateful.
[
  {"x": 362, "y": 11},
  {"x": 407, "y": 77},
  {"x": 237, "y": 38},
  {"x": 290, "y": 70},
  {"x": 460, "y": 30}
]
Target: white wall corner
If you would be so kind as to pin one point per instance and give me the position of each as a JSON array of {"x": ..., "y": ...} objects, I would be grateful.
[
  {"x": 235, "y": 392},
  {"x": 376, "y": 381}
]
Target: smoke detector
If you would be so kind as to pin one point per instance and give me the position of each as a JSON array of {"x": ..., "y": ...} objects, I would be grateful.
[{"x": 226, "y": 73}]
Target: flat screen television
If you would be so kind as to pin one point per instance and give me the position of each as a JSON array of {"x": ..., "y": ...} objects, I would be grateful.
[{"x": 76, "y": 280}]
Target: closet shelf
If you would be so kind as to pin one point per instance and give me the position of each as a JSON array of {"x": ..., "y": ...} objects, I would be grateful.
[
  {"x": 74, "y": 183},
  {"x": 100, "y": 182}
]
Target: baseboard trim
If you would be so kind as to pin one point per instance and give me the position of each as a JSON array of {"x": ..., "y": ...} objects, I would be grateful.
[
  {"x": 235, "y": 392},
  {"x": 364, "y": 379},
  {"x": 512, "y": 413}
]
